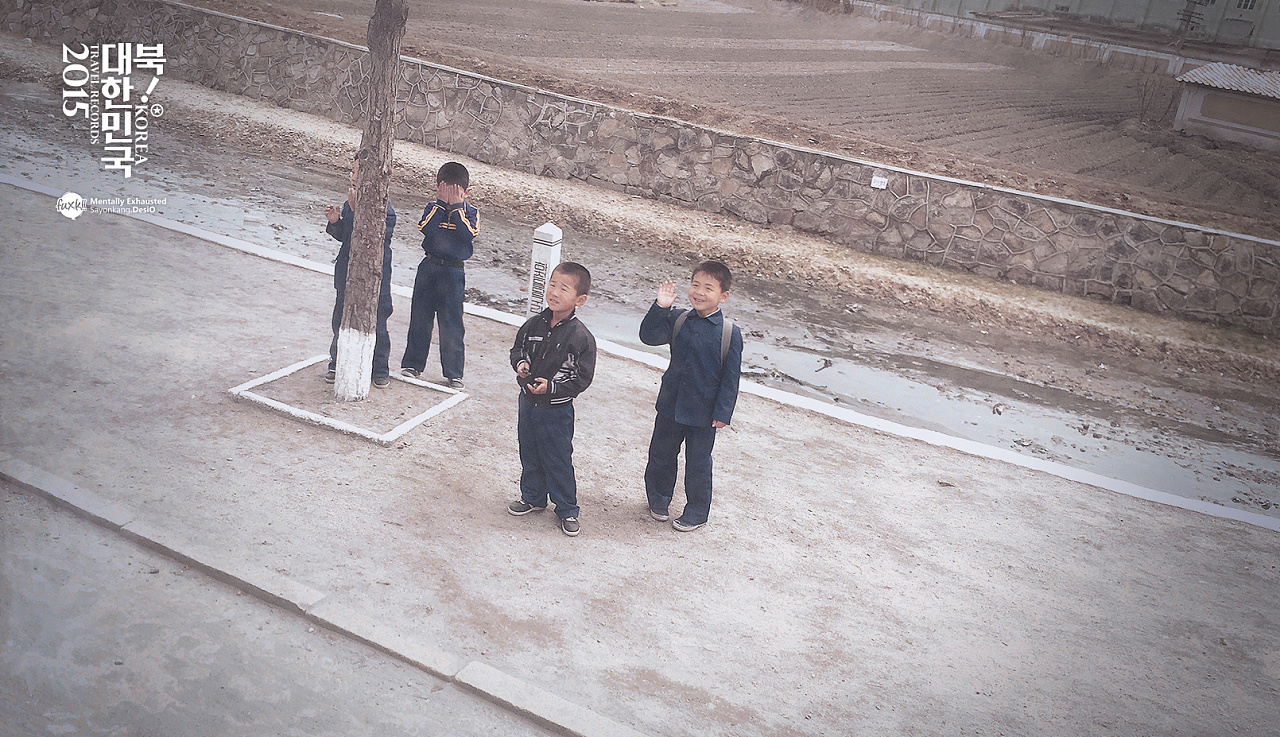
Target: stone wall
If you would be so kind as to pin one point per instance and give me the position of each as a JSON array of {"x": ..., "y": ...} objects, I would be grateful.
[{"x": 1098, "y": 253}]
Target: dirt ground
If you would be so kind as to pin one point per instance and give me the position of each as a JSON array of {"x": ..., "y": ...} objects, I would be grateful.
[
  {"x": 1141, "y": 384},
  {"x": 876, "y": 90},
  {"x": 851, "y": 582}
]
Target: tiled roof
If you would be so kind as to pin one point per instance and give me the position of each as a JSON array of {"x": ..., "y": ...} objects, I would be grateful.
[{"x": 1232, "y": 77}]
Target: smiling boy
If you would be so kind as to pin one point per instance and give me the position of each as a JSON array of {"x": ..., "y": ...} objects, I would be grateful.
[
  {"x": 554, "y": 357},
  {"x": 698, "y": 392}
]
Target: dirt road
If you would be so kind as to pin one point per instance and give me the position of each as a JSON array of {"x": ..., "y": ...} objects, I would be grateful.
[
  {"x": 103, "y": 637},
  {"x": 947, "y": 105}
]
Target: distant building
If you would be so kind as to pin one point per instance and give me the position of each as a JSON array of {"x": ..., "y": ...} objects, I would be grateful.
[
  {"x": 1253, "y": 23},
  {"x": 1231, "y": 103}
]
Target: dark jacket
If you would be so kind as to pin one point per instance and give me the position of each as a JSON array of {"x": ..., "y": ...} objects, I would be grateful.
[
  {"x": 564, "y": 355},
  {"x": 449, "y": 231},
  {"x": 341, "y": 230},
  {"x": 696, "y": 387}
]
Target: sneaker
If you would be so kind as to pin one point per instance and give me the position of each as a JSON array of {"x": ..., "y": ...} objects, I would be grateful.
[
  {"x": 660, "y": 516},
  {"x": 570, "y": 526},
  {"x": 455, "y": 383},
  {"x": 682, "y": 526},
  {"x": 520, "y": 507},
  {"x": 410, "y": 372},
  {"x": 382, "y": 382},
  {"x": 330, "y": 376}
]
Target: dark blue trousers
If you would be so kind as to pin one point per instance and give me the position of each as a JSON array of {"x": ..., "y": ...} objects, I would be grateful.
[
  {"x": 382, "y": 339},
  {"x": 660, "y": 474},
  {"x": 546, "y": 456},
  {"x": 438, "y": 292}
]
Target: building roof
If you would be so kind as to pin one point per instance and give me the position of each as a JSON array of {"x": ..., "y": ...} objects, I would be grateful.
[{"x": 1232, "y": 77}]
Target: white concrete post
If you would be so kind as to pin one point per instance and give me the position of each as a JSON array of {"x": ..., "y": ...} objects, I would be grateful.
[{"x": 546, "y": 256}]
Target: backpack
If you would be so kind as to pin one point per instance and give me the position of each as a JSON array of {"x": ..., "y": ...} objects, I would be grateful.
[{"x": 726, "y": 333}]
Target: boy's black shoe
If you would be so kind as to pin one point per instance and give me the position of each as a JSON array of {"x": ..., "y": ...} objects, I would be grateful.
[
  {"x": 455, "y": 383},
  {"x": 570, "y": 526},
  {"x": 520, "y": 507},
  {"x": 681, "y": 526},
  {"x": 411, "y": 373},
  {"x": 330, "y": 376},
  {"x": 382, "y": 382},
  {"x": 660, "y": 516}
]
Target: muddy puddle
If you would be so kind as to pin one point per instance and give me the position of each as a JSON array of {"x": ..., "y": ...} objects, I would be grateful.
[{"x": 1201, "y": 437}]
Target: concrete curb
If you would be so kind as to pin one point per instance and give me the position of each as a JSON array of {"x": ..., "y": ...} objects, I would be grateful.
[
  {"x": 507, "y": 691},
  {"x": 64, "y": 494},
  {"x": 537, "y": 704},
  {"x": 352, "y": 622}
]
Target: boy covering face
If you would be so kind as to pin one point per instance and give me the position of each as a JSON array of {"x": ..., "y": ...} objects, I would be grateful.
[
  {"x": 341, "y": 222},
  {"x": 449, "y": 227}
]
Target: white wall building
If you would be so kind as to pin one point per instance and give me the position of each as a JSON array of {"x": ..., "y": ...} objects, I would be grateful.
[
  {"x": 1242, "y": 22},
  {"x": 1231, "y": 103}
]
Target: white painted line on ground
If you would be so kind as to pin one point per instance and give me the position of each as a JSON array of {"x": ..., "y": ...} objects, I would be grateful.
[
  {"x": 277, "y": 375},
  {"x": 396, "y": 432},
  {"x": 311, "y": 417},
  {"x": 386, "y": 438},
  {"x": 777, "y": 395},
  {"x": 932, "y": 437}
]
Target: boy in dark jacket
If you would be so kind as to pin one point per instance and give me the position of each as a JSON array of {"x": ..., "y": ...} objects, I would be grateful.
[
  {"x": 554, "y": 357},
  {"x": 449, "y": 227},
  {"x": 698, "y": 392},
  {"x": 341, "y": 221}
]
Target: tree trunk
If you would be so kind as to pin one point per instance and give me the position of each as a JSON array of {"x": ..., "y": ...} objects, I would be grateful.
[{"x": 358, "y": 333}]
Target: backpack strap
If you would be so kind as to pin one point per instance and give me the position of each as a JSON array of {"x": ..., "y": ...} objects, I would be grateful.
[
  {"x": 679, "y": 323},
  {"x": 726, "y": 332}
]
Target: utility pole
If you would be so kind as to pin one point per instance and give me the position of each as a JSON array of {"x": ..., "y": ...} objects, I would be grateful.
[
  {"x": 356, "y": 337},
  {"x": 1189, "y": 19}
]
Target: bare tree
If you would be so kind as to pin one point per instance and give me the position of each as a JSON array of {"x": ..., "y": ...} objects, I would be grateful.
[
  {"x": 357, "y": 335},
  {"x": 1155, "y": 100}
]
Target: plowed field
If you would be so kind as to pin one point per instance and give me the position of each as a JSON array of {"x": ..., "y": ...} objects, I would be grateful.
[{"x": 882, "y": 91}]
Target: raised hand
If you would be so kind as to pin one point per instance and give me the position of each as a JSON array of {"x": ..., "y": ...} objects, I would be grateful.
[{"x": 666, "y": 294}]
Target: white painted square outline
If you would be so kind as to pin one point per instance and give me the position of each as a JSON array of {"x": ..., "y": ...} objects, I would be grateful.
[{"x": 243, "y": 391}]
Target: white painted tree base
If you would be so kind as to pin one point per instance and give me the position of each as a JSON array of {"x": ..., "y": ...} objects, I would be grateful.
[{"x": 354, "y": 367}]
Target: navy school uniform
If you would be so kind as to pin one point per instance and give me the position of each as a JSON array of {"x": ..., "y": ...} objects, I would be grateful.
[
  {"x": 341, "y": 230},
  {"x": 565, "y": 355},
  {"x": 448, "y": 239},
  {"x": 696, "y": 389}
]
